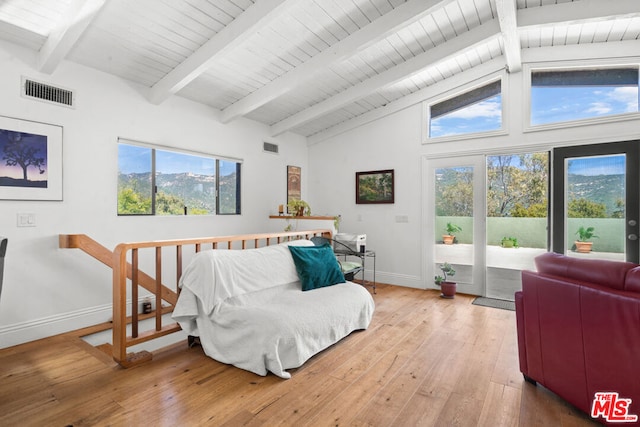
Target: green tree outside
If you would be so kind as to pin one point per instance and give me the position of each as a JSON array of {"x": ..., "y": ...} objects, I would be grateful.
[{"x": 585, "y": 208}]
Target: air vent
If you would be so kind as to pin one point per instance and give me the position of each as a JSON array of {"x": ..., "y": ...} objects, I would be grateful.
[
  {"x": 44, "y": 92},
  {"x": 270, "y": 148}
]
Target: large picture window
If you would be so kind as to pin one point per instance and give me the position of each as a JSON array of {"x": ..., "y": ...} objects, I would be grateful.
[
  {"x": 569, "y": 95},
  {"x": 478, "y": 110},
  {"x": 154, "y": 181}
]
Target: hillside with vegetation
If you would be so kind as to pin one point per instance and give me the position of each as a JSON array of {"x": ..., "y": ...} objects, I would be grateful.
[{"x": 175, "y": 192}]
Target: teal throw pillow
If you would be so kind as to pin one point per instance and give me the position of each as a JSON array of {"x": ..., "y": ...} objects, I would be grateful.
[{"x": 317, "y": 266}]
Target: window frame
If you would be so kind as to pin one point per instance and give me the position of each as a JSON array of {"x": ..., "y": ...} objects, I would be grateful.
[
  {"x": 460, "y": 90},
  {"x": 217, "y": 158},
  {"x": 528, "y": 69}
]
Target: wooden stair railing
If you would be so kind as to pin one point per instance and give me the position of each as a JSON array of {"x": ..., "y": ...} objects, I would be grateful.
[{"x": 124, "y": 271}]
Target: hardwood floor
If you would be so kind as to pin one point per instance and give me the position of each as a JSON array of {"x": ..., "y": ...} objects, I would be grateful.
[{"x": 423, "y": 361}]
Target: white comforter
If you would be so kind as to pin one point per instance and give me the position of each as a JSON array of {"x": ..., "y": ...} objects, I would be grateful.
[{"x": 248, "y": 309}]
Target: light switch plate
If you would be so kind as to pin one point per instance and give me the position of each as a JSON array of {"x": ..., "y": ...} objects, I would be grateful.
[
  {"x": 402, "y": 218},
  {"x": 26, "y": 219}
]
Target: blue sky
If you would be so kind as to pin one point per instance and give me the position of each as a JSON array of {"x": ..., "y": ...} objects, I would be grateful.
[
  {"x": 598, "y": 165},
  {"x": 559, "y": 104},
  {"x": 134, "y": 159},
  {"x": 548, "y": 105},
  {"x": 480, "y": 117}
]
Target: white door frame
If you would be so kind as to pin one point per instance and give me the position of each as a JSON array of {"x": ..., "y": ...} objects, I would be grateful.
[{"x": 429, "y": 165}]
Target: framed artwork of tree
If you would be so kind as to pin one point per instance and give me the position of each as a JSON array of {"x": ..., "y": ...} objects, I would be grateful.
[
  {"x": 375, "y": 187},
  {"x": 30, "y": 160}
]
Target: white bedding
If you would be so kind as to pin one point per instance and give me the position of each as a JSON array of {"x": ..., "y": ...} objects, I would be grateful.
[{"x": 248, "y": 309}]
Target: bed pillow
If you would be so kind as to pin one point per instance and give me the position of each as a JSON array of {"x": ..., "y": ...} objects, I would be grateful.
[{"x": 317, "y": 266}]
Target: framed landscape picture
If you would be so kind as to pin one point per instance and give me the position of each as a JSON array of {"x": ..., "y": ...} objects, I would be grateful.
[
  {"x": 30, "y": 160},
  {"x": 375, "y": 187}
]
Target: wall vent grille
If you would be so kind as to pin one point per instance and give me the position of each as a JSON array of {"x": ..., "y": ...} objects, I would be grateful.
[
  {"x": 44, "y": 92},
  {"x": 270, "y": 148}
]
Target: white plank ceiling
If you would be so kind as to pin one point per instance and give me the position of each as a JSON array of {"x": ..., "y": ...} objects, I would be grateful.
[{"x": 313, "y": 67}]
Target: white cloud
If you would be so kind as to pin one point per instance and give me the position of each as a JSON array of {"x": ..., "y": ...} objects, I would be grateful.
[
  {"x": 627, "y": 96},
  {"x": 481, "y": 109},
  {"x": 599, "y": 108}
]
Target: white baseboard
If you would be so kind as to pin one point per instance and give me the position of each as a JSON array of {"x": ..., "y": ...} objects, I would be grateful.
[
  {"x": 407, "y": 280},
  {"x": 19, "y": 333}
]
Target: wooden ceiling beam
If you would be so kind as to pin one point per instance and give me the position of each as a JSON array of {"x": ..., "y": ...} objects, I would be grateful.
[
  {"x": 511, "y": 38},
  {"x": 399, "y": 17},
  {"x": 476, "y": 73},
  {"x": 60, "y": 42},
  {"x": 401, "y": 71},
  {"x": 524, "y": 18},
  {"x": 255, "y": 17}
]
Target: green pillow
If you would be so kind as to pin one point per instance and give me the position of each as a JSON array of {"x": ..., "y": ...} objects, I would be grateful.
[{"x": 317, "y": 266}]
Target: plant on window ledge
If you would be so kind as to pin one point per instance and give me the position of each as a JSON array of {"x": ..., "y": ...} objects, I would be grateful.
[
  {"x": 509, "y": 242},
  {"x": 583, "y": 245},
  {"x": 450, "y": 229}
]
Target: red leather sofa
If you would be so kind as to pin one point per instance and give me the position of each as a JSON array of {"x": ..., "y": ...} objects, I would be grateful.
[{"x": 578, "y": 326}]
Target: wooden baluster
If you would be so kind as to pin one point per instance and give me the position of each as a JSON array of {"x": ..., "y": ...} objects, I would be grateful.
[
  {"x": 134, "y": 293},
  {"x": 158, "y": 288},
  {"x": 198, "y": 247},
  {"x": 178, "y": 267},
  {"x": 214, "y": 245},
  {"x": 244, "y": 244}
]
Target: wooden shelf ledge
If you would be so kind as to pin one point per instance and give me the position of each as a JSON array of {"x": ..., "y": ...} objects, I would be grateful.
[{"x": 325, "y": 218}]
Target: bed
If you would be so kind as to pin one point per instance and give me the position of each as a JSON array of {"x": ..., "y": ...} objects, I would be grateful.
[{"x": 272, "y": 308}]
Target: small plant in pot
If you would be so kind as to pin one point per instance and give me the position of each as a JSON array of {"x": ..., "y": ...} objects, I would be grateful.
[
  {"x": 299, "y": 208},
  {"x": 583, "y": 245},
  {"x": 450, "y": 229},
  {"x": 448, "y": 288}
]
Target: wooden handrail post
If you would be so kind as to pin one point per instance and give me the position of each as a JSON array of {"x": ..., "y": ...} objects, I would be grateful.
[
  {"x": 178, "y": 267},
  {"x": 134, "y": 292},
  {"x": 119, "y": 304},
  {"x": 158, "y": 288}
]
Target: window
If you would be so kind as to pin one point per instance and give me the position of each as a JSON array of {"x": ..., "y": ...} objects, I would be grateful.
[
  {"x": 569, "y": 95},
  {"x": 163, "y": 182},
  {"x": 478, "y": 110}
]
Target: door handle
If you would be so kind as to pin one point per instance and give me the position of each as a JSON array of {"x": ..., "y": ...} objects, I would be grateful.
[{"x": 632, "y": 237}]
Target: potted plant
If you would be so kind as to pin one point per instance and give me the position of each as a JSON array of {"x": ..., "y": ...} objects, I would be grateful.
[
  {"x": 509, "y": 242},
  {"x": 450, "y": 229},
  {"x": 336, "y": 222},
  {"x": 583, "y": 245},
  {"x": 448, "y": 288},
  {"x": 298, "y": 207}
]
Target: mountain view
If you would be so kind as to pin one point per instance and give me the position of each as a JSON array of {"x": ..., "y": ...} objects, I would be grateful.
[
  {"x": 608, "y": 190},
  {"x": 175, "y": 192}
]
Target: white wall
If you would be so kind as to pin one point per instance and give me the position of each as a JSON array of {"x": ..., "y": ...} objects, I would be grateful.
[
  {"x": 395, "y": 142},
  {"x": 48, "y": 290}
]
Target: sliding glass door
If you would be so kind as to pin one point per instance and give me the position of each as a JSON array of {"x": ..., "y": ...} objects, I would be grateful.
[
  {"x": 517, "y": 218},
  {"x": 496, "y": 207},
  {"x": 454, "y": 228}
]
